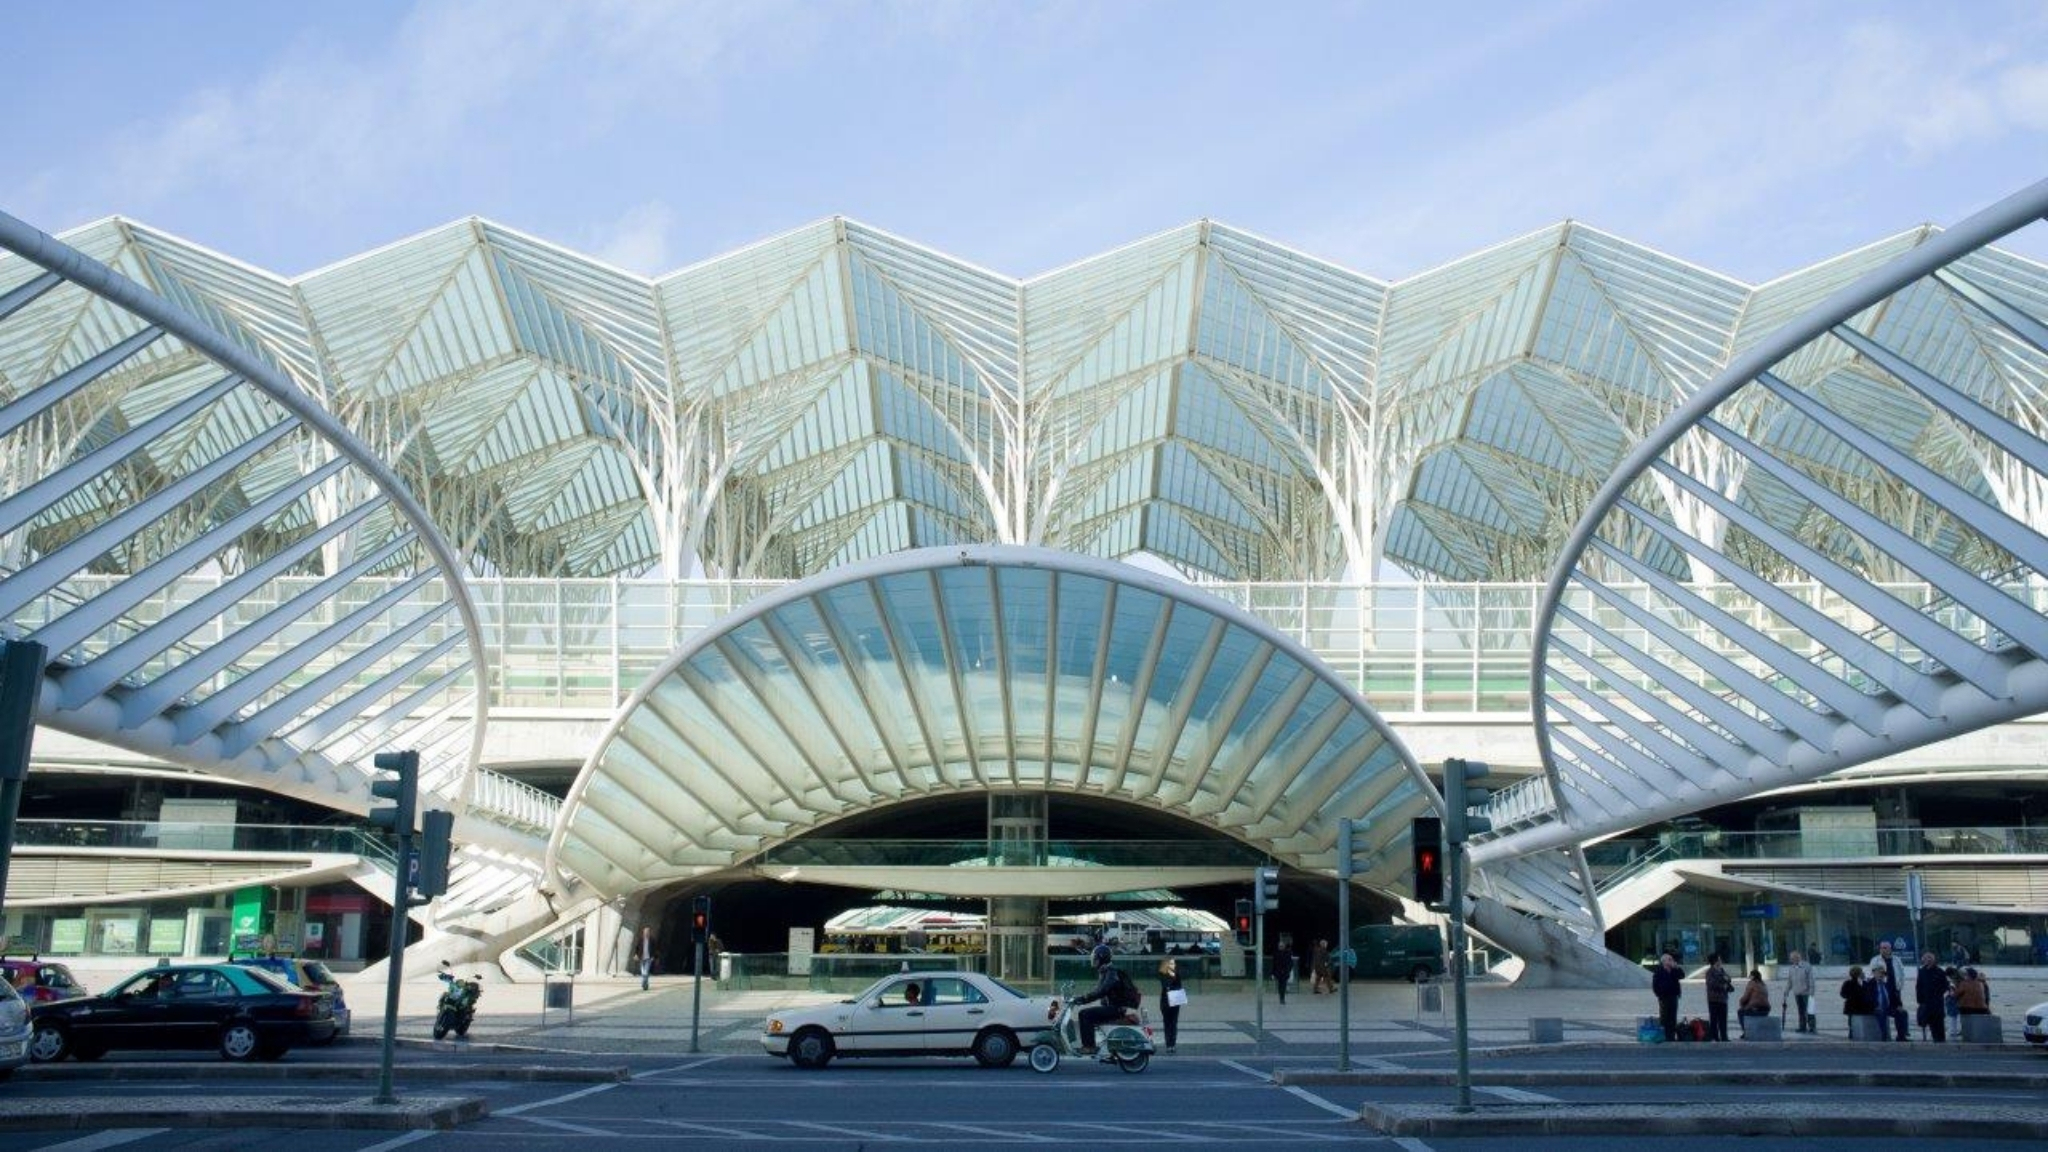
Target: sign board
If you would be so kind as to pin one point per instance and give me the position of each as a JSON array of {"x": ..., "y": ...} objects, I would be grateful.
[
  {"x": 67, "y": 937},
  {"x": 802, "y": 942},
  {"x": 166, "y": 936},
  {"x": 1756, "y": 912}
]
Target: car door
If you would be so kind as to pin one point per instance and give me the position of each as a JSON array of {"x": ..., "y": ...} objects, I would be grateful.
[
  {"x": 954, "y": 1011},
  {"x": 201, "y": 999},
  {"x": 132, "y": 1016},
  {"x": 888, "y": 1021}
]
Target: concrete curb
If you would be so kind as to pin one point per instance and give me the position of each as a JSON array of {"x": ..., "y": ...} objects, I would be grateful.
[
  {"x": 72, "y": 1113},
  {"x": 1687, "y": 1119},
  {"x": 194, "y": 1070},
  {"x": 1602, "y": 1078}
]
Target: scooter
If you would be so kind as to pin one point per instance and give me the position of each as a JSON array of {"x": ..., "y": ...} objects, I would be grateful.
[
  {"x": 1126, "y": 1044},
  {"x": 458, "y": 1004}
]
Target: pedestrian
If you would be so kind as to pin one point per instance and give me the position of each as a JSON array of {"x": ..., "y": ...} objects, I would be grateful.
[
  {"x": 1171, "y": 997},
  {"x": 1930, "y": 987},
  {"x": 1719, "y": 985},
  {"x": 1756, "y": 1000},
  {"x": 1888, "y": 964},
  {"x": 1973, "y": 994},
  {"x": 1948, "y": 1003},
  {"x": 1665, "y": 983},
  {"x": 1319, "y": 969},
  {"x": 645, "y": 956},
  {"x": 1958, "y": 955},
  {"x": 1855, "y": 997},
  {"x": 1283, "y": 969},
  {"x": 1885, "y": 1005},
  {"x": 1799, "y": 990}
]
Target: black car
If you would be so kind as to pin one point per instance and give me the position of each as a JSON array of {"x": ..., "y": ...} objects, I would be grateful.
[{"x": 244, "y": 1012}]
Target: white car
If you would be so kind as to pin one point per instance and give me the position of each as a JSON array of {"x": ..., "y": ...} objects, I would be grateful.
[
  {"x": 2036, "y": 1027},
  {"x": 913, "y": 1014},
  {"x": 14, "y": 1030}
]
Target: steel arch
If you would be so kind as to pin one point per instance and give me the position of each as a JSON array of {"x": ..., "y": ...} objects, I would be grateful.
[
  {"x": 1855, "y": 444},
  {"x": 141, "y": 443}
]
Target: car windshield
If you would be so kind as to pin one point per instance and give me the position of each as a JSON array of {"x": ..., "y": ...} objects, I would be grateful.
[
  {"x": 993, "y": 982},
  {"x": 318, "y": 973}
]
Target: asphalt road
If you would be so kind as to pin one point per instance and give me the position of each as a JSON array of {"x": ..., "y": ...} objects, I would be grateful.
[{"x": 725, "y": 1100}]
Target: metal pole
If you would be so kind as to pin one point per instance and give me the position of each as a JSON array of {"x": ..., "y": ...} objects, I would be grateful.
[
  {"x": 401, "y": 915},
  {"x": 21, "y": 680},
  {"x": 1458, "y": 972},
  {"x": 696, "y": 990},
  {"x": 1259, "y": 977},
  {"x": 1343, "y": 975}
]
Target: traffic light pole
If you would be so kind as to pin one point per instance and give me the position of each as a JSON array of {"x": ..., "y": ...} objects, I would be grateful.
[
  {"x": 1344, "y": 960},
  {"x": 696, "y": 989},
  {"x": 401, "y": 916},
  {"x": 1458, "y": 973},
  {"x": 1259, "y": 976}
]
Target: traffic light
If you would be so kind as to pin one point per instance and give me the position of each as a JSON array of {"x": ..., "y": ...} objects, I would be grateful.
[
  {"x": 1459, "y": 795},
  {"x": 1266, "y": 889},
  {"x": 403, "y": 791},
  {"x": 434, "y": 849},
  {"x": 1244, "y": 923},
  {"x": 700, "y": 918},
  {"x": 1427, "y": 835}
]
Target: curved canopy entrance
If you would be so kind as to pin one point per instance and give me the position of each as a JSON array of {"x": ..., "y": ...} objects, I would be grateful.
[{"x": 983, "y": 670}]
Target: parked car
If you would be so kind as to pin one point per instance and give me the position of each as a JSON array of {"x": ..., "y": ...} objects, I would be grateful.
[
  {"x": 14, "y": 1030},
  {"x": 300, "y": 972},
  {"x": 2035, "y": 1029},
  {"x": 949, "y": 1014},
  {"x": 243, "y": 1012},
  {"x": 40, "y": 981}
]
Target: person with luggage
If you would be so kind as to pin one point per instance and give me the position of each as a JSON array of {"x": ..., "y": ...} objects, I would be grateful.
[
  {"x": 1799, "y": 990},
  {"x": 1666, "y": 984}
]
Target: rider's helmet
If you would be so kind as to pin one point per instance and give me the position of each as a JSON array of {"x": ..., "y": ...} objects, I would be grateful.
[{"x": 1101, "y": 956}]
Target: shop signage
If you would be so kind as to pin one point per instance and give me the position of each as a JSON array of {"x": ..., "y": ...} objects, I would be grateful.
[{"x": 1756, "y": 912}]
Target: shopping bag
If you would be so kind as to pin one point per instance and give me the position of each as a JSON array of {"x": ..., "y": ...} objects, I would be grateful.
[{"x": 1175, "y": 997}]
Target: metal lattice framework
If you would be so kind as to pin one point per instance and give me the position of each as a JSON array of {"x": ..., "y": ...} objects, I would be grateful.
[
  {"x": 157, "y": 441},
  {"x": 965, "y": 670},
  {"x": 838, "y": 393},
  {"x": 1893, "y": 430}
]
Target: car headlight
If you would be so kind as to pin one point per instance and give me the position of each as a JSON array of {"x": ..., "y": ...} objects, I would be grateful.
[{"x": 775, "y": 1027}]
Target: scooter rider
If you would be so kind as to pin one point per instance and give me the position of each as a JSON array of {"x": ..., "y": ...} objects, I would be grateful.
[{"x": 1106, "y": 979}]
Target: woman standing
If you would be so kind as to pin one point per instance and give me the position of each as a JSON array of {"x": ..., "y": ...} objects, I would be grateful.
[
  {"x": 1856, "y": 1000},
  {"x": 1170, "y": 996}
]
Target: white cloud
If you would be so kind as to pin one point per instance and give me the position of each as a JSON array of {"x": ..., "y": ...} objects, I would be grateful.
[{"x": 638, "y": 240}]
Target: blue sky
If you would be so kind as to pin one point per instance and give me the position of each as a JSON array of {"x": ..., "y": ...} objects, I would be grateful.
[{"x": 1752, "y": 138}]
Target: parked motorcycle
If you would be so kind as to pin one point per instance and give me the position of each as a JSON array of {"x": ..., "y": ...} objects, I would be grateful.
[
  {"x": 458, "y": 1003},
  {"x": 1126, "y": 1043}
]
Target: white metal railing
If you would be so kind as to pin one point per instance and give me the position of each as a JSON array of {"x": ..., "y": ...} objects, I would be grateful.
[
  {"x": 1411, "y": 648},
  {"x": 500, "y": 797}
]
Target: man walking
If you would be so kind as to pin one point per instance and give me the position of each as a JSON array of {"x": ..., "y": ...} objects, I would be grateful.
[
  {"x": 1889, "y": 965},
  {"x": 1799, "y": 990},
  {"x": 1665, "y": 983},
  {"x": 645, "y": 956}
]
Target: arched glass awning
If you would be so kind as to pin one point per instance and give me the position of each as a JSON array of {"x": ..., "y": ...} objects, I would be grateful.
[{"x": 951, "y": 670}]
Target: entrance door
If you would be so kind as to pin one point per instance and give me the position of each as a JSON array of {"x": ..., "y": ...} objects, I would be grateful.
[{"x": 206, "y": 932}]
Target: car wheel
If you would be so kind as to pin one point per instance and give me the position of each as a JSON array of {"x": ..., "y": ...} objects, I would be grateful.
[
  {"x": 995, "y": 1048},
  {"x": 49, "y": 1044},
  {"x": 238, "y": 1041},
  {"x": 810, "y": 1048},
  {"x": 1044, "y": 1057}
]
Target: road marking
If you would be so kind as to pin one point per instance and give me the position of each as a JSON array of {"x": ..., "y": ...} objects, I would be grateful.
[
  {"x": 1516, "y": 1095},
  {"x": 563, "y": 1099},
  {"x": 107, "y": 1139},
  {"x": 1245, "y": 1068},
  {"x": 1304, "y": 1094},
  {"x": 681, "y": 1067},
  {"x": 1267, "y": 1130},
  {"x": 694, "y": 1126},
  {"x": 856, "y": 1133},
  {"x": 1411, "y": 1144},
  {"x": 996, "y": 1132},
  {"x": 386, "y": 1146},
  {"x": 565, "y": 1126}
]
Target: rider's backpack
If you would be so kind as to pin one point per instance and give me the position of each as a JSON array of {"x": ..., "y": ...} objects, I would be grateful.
[{"x": 1124, "y": 994}]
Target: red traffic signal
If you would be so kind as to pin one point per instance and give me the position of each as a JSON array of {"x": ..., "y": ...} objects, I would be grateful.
[
  {"x": 700, "y": 918},
  {"x": 1427, "y": 835},
  {"x": 1244, "y": 923}
]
